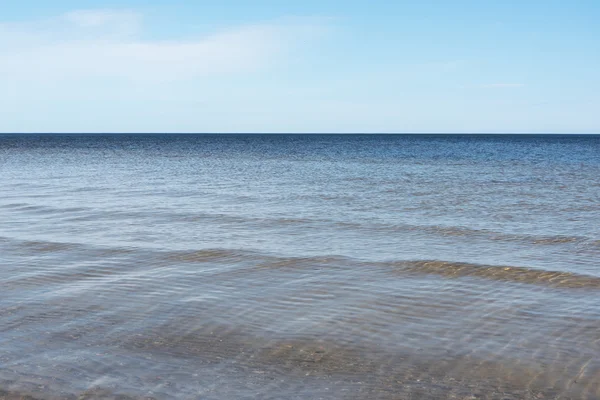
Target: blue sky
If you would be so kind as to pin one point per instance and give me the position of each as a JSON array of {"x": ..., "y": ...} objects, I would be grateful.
[{"x": 300, "y": 66}]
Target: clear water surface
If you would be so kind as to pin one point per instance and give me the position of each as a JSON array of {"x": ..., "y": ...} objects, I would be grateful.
[{"x": 299, "y": 266}]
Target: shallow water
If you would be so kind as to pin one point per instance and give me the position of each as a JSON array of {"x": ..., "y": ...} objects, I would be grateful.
[{"x": 309, "y": 266}]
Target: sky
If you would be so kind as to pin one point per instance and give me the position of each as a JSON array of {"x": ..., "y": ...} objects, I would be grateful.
[{"x": 278, "y": 66}]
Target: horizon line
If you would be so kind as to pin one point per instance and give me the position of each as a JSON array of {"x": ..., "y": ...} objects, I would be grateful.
[{"x": 555, "y": 134}]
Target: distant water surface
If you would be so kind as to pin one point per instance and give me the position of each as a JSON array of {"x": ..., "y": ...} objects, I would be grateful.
[{"x": 300, "y": 266}]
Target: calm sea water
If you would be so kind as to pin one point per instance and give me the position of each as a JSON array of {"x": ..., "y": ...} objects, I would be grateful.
[{"x": 299, "y": 267}]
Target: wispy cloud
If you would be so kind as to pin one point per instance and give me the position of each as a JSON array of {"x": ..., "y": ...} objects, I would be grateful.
[
  {"x": 109, "y": 44},
  {"x": 102, "y": 18},
  {"x": 502, "y": 85}
]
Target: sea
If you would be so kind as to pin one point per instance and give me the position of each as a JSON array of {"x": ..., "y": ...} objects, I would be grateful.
[{"x": 260, "y": 266}]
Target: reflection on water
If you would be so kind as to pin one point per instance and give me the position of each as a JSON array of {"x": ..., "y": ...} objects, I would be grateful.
[{"x": 299, "y": 267}]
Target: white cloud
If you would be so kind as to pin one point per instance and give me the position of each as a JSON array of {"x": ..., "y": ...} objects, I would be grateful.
[
  {"x": 108, "y": 44},
  {"x": 502, "y": 85},
  {"x": 102, "y": 18}
]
